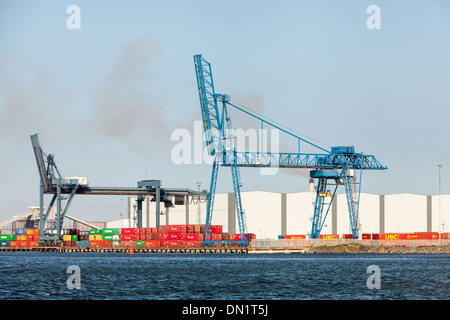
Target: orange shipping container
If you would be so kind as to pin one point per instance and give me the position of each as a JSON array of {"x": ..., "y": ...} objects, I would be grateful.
[
  {"x": 152, "y": 243},
  {"x": 34, "y": 244},
  {"x": 23, "y": 243},
  {"x": 329, "y": 236},
  {"x": 34, "y": 232},
  {"x": 295, "y": 236},
  {"x": 96, "y": 243}
]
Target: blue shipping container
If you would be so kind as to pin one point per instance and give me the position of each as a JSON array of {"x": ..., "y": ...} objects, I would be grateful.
[
  {"x": 280, "y": 237},
  {"x": 4, "y": 243},
  {"x": 21, "y": 231},
  {"x": 82, "y": 243}
]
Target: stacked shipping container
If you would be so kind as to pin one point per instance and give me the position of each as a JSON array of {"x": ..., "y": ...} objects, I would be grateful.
[
  {"x": 21, "y": 238},
  {"x": 176, "y": 236},
  {"x": 164, "y": 236}
]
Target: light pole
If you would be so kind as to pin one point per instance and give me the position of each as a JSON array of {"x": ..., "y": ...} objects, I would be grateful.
[
  {"x": 198, "y": 205},
  {"x": 439, "y": 222}
]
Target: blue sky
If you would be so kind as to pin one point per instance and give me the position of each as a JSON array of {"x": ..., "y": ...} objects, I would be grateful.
[{"x": 107, "y": 97}]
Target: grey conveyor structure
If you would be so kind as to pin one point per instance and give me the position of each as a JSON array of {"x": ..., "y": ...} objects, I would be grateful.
[{"x": 64, "y": 189}]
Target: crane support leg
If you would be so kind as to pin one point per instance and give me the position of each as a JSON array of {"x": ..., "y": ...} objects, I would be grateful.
[
  {"x": 237, "y": 199},
  {"x": 353, "y": 192},
  {"x": 319, "y": 218},
  {"x": 212, "y": 193}
]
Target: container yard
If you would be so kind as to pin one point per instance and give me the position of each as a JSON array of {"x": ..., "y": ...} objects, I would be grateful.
[
  {"x": 168, "y": 238},
  {"x": 189, "y": 239}
]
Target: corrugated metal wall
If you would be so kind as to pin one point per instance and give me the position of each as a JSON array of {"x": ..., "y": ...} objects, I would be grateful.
[{"x": 270, "y": 214}]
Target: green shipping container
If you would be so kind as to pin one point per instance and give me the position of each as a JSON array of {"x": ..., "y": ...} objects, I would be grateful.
[
  {"x": 7, "y": 237},
  {"x": 95, "y": 231},
  {"x": 140, "y": 243},
  {"x": 111, "y": 231},
  {"x": 74, "y": 237},
  {"x": 108, "y": 237}
]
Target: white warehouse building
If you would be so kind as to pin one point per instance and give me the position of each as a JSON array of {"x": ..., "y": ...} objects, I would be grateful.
[{"x": 270, "y": 214}]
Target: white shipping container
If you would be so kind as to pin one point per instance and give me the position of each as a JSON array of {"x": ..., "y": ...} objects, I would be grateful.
[{"x": 82, "y": 181}]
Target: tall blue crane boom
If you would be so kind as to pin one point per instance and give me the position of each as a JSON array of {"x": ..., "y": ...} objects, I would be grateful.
[{"x": 330, "y": 167}]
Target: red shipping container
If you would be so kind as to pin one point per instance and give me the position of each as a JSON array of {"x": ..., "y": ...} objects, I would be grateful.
[
  {"x": 14, "y": 243},
  {"x": 193, "y": 236},
  {"x": 410, "y": 236},
  {"x": 34, "y": 244},
  {"x": 171, "y": 243},
  {"x": 215, "y": 236},
  {"x": 251, "y": 236},
  {"x": 126, "y": 231},
  {"x": 366, "y": 236},
  {"x": 216, "y": 229},
  {"x": 163, "y": 236},
  {"x": 190, "y": 228},
  {"x": 127, "y": 243},
  {"x": 154, "y": 236},
  {"x": 141, "y": 231},
  {"x": 329, "y": 236},
  {"x": 191, "y": 243},
  {"x": 347, "y": 236},
  {"x": 389, "y": 236},
  {"x": 128, "y": 237},
  {"x": 429, "y": 235},
  {"x": 179, "y": 228},
  {"x": 162, "y": 229},
  {"x": 23, "y": 243},
  {"x": 237, "y": 236},
  {"x": 174, "y": 236},
  {"x": 139, "y": 237}
]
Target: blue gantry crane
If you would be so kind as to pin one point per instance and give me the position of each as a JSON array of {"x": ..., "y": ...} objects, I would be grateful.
[
  {"x": 61, "y": 189},
  {"x": 340, "y": 165}
]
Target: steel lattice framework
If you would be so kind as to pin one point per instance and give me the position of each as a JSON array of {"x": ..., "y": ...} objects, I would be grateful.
[{"x": 338, "y": 166}]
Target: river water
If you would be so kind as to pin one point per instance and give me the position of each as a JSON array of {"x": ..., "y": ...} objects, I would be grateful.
[{"x": 150, "y": 276}]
